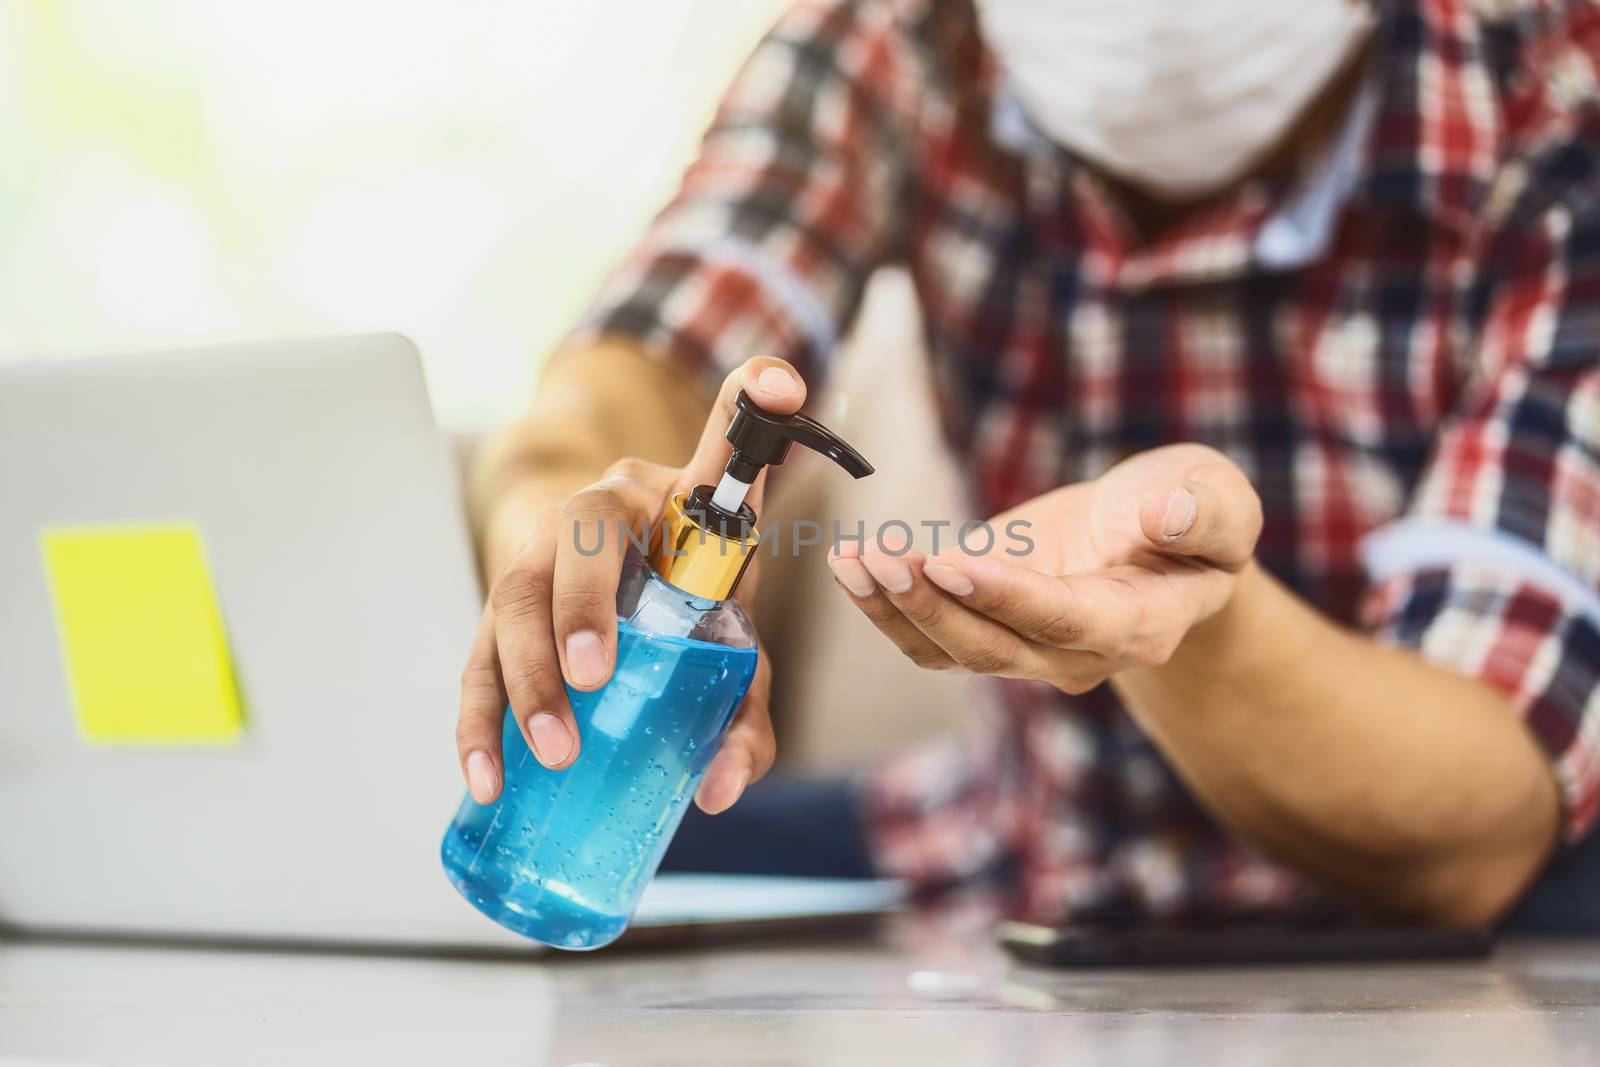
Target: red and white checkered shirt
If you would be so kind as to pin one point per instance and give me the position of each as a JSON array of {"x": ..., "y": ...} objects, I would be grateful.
[{"x": 1399, "y": 349}]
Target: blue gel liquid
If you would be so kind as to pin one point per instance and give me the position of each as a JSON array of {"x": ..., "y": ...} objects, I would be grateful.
[{"x": 562, "y": 856}]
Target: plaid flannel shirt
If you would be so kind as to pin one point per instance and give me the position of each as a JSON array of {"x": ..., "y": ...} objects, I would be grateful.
[{"x": 1399, "y": 349}]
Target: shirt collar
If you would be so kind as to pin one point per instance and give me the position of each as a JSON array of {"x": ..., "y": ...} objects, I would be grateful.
[{"x": 1300, "y": 231}]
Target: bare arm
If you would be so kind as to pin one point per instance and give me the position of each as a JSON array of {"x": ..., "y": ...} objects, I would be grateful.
[
  {"x": 1406, "y": 786},
  {"x": 596, "y": 404}
]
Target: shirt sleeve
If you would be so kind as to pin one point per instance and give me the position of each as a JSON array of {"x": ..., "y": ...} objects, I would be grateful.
[
  {"x": 1495, "y": 570},
  {"x": 780, "y": 220}
]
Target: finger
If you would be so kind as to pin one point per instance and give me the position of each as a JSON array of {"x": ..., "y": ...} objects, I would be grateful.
[
  {"x": 1122, "y": 615},
  {"x": 774, "y": 385},
  {"x": 483, "y": 712},
  {"x": 590, "y": 546},
  {"x": 1213, "y": 515},
  {"x": 974, "y": 642},
  {"x": 1082, "y": 612},
  {"x": 529, "y": 667},
  {"x": 844, "y": 560},
  {"x": 748, "y": 749},
  {"x": 853, "y": 577}
]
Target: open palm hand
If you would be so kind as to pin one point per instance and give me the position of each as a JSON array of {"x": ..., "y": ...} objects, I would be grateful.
[{"x": 1118, "y": 571}]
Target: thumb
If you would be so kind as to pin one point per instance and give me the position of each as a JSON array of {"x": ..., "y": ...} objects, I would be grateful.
[{"x": 1213, "y": 515}]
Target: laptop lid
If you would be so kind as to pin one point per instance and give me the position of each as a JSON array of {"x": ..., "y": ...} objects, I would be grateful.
[{"x": 329, "y": 510}]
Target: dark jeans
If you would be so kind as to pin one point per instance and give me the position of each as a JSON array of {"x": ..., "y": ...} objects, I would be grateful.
[
  {"x": 803, "y": 827},
  {"x": 1566, "y": 898},
  {"x": 812, "y": 828}
]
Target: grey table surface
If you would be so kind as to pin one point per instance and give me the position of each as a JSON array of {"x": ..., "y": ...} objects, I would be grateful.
[{"x": 870, "y": 1000}]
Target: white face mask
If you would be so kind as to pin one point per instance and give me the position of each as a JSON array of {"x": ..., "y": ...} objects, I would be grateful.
[{"x": 1177, "y": 97}]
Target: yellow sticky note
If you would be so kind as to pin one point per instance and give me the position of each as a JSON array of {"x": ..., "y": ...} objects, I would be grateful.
[{"x": 147, "y": 657}]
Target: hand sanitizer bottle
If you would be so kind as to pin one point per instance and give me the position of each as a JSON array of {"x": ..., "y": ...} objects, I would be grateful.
[{"x": 562, "y": 856}]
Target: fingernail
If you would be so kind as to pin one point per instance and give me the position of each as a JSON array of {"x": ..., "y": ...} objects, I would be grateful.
[
  {"x": 586, "y": 659},
  {"x": 1179, "y": 516},
  {"x": 775, "y": 381},
  {"x": 481, "y": 779},
  {"x": 552, "y": 741},
  {"x": 891, "y": 572},
  {"x": 947, "y": 578},
  {"x": 854, "y": 577}
]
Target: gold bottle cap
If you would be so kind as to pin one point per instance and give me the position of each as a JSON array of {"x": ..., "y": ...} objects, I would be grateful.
[{"x": 698, "y": 560}]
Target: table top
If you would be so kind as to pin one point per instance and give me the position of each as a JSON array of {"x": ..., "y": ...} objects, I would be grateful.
[{"x": 866, "y": 1000}]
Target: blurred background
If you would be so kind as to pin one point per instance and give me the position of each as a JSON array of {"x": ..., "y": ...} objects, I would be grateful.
[{"x": 183, "y": 172}]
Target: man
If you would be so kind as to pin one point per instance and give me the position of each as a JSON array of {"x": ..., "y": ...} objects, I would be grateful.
[{"x": 1279, "y": 324}]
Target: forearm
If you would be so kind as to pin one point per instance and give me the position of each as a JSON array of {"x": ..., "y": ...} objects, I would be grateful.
[
  {"x": 595, "y": 404},
  {"x": 1405, "y": 786}
]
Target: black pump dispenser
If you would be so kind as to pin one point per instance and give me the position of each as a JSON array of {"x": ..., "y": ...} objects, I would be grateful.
[{"x": 760, "y": 439}]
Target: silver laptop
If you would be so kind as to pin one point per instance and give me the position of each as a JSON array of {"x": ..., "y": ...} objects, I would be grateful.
[{"x": 330, "y": 509}]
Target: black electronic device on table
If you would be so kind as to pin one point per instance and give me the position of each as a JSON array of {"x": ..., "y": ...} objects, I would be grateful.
[{"x": 1108, "y": 942}]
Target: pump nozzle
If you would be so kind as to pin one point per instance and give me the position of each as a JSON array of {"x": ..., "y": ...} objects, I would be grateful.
[{"x": 761, "y": 439}]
